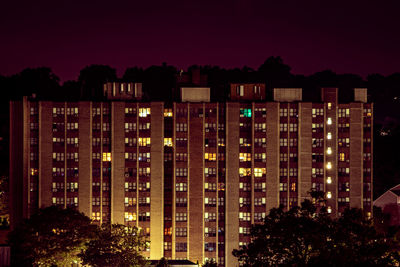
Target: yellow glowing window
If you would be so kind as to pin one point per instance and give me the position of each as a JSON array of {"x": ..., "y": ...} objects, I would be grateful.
[
  {"x": 144, "y": 112},
  {"x": 167, "y": 141},
  {"x": 259, "y": 172},
  {"x": 244, "y": 157},
  {"x": 329, "y": 209},
  {"x": 329, "y": 106},
  {"x": 210, "y": 156},
  {"x": 130, "y": 201},
  {"x": 96, "y": 216},
  {"x": 329, "y": 136},
  {"x": 329, "y": 151},
  {"x": 244, "y": 171},
  {"x": 168, "y": 112},
  {"x": 130, "y": 216},
  {"x": 369, "y": 114},
  {"x": 328, "y": 195},
  {"x": 329, "y": 121},
  {"x": 107, "y": 156},
  {"x": 144, "y": 141},
  {"x": 341, "y": 157},
  {"x": 329, "y": 165},
  {"x": 168, "y": 231},
  {"x": 34, "y": 171},
  {"x": 293, "y": 187},
  {"x": 329, "y": 180}
]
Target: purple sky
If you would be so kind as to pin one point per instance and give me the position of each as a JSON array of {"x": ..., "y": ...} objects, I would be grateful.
[{"x": 359, "y": 37}]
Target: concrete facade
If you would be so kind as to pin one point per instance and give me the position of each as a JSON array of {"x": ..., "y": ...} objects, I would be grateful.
[{"x": 193, "y": 176}]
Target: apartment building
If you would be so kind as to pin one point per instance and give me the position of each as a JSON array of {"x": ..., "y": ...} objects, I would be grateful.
[{"x": 193, "y": 175}]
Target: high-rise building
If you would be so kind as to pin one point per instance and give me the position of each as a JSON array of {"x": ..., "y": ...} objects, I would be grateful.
[{"x": 193, "y": 175}]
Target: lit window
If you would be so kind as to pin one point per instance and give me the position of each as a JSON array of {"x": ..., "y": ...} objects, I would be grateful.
[
  {"x": 259, "y": 172},
  {"x": 244, "y": 172},
  {"x": 341, "y": 157},
  {"x": 329, "y": 121},
  {"x": 245, "y": 112},
  {"x": 293, "y": 187},
  {"x": 96, "y": 216},
  {"x": 329, "y": 105},
  {"x": 167, "y": 141},
  {"x": 329, "y": 151},
  {"x": 328, "y": 195},
  {"x": 143, "y": 112},
  {"x": 241, "y": 92},
  {"x": 144, "y": 141},
  {"x": 107, "y": 156},
  {"x": 329, "y": 136},
  {"x": 130, "y": 216},
  {"x": 167, "y": 112},
  {"x": 329, "y": 165},
  {"x": 329, "y": 180},
  {"x": 210, "y": 156},
  {"x": 244, "y": 157}
]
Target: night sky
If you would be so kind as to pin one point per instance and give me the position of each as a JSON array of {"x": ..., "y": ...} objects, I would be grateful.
[{"x": 358, "y": 37}]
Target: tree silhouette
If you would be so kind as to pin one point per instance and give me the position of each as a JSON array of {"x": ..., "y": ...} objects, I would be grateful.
[
  {"x": 303, "y": 237},
  {"x": 115, "y": 245},
  {"x": 53, "y": 236},
  {"x": 92, "y": 79}
]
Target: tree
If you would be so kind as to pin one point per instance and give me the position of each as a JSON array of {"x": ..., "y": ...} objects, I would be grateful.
[
  {"x": 163, "y": 262},
  {"x": 115, "y": 245},
  {"x": 53, "y": 236},
  {"x": 291, "y": 237},
  {"x": 302, "y": 236},
  {"x": 4, "y": 202},
  {"x": 40, "y": 81},
  {"x": 92, "y": 79},
  {"x": 358, "y": 243},
  {"x": 274, "y": 72},
  {"x": 210, "y": 263}
]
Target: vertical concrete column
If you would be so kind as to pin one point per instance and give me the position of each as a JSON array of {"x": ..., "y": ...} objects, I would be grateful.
[
  {"x": 65, "y": 155},
  {"x": 232, "y": 183},
  {"x": 252, "y": 163},
  {"x": 17, "y": 159},
  {"x": 272, "y": 155},
  {"x": 117, "y": 162},
  {"x": 372, "y": 159},
  {"x": 196, "y": 185},
  {"x": 356, "y": 157},
  {"x": 45, "y": 153},
  {"x": 157, "y": 181},
  {"x": 173, "y": 216},
  {"x": 85, "y": 156},
  {"x": 305, "y": 148},
  {"x": 25, "y": 123}
]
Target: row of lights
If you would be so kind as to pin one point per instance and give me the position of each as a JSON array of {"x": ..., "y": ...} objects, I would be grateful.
[{"x": 329, "y": 164}]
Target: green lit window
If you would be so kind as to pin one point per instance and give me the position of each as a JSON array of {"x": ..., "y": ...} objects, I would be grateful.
[{"x": 245, "y": 112}]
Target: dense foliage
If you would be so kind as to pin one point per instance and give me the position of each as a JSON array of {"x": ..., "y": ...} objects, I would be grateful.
[
  {"x": 60, "y": 237},
  {"x": 53, "y": 236},
  {"x": 302, "y": 236},
  {"x": 115, "y": 245}
]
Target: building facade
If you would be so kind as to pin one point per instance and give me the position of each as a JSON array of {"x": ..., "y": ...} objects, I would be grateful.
[{"x": 193, "y": 175}]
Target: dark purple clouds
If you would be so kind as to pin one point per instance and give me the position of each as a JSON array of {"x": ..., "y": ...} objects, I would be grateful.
[{"x": 358, "y": 37}]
